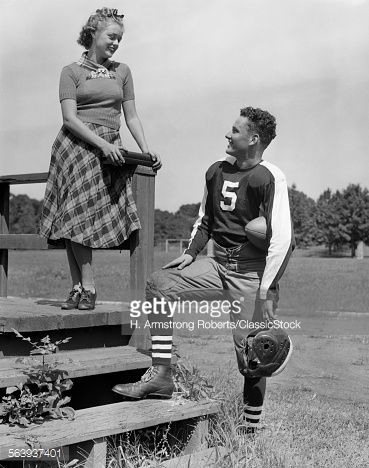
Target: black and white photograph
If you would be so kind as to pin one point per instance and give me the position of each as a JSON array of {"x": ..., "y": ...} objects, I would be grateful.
[{"x": 184, "y": 234}]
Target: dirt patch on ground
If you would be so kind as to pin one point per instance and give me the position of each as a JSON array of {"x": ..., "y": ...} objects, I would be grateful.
[{"x": 327, "y": 360}]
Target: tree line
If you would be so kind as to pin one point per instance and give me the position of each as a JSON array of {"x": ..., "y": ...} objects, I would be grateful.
[{"x": 337, "y": 219}]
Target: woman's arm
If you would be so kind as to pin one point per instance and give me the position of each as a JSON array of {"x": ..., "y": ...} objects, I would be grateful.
[
  {"x": 135, "y": 127},
  {"x": 79, "y": 129}
]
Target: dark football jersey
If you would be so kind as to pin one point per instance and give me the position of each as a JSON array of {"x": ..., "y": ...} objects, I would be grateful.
[{"x": 232, "y": 198}]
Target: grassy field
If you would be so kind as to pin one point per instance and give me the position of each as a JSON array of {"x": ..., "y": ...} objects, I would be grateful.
[
  {"x": 310, "y": 284},
  {"x": 317, "y": 411}
]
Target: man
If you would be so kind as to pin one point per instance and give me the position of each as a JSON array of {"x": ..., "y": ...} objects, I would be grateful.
[{"x": 240, "y": 187}]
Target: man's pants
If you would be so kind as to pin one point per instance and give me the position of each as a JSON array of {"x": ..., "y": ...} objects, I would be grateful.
[{"x": 230, "y": 275}]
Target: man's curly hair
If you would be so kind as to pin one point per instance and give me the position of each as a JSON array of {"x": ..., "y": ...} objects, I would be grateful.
[
  {"x": 263, "y": 122},
  {"x": 102, "y": 15}
]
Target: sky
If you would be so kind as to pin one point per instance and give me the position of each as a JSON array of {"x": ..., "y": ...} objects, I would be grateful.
[{"x": 195, "y": 64}]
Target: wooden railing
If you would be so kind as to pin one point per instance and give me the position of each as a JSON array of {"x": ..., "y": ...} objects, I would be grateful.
[{"x": 140, "y": 244}]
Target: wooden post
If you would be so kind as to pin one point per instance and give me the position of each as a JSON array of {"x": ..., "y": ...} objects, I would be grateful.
[
  {"x": 92, "y": 453},
  {"x": 4, "y": 229},
  {"x": 142, "y": 243},
  {"x": 97, "y": 454},
  {"x": 142, "y": 248},
  {"x": 359, "y": 253}
]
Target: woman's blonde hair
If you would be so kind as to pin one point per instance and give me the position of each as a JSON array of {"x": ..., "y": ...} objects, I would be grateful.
[{"x": 104, "y": 14}]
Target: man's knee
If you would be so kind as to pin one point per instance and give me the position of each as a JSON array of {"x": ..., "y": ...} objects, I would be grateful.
[{"x": 160, "y": 282}]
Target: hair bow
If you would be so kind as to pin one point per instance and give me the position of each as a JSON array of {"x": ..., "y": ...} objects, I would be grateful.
[{"x": 114, "y": 14}]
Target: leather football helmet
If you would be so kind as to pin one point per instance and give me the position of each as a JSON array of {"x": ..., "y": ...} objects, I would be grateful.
[{"x": 266, "y": 352}]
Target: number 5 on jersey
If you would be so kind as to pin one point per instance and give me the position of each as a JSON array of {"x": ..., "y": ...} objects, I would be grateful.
[{"x": 229, "y": 195}]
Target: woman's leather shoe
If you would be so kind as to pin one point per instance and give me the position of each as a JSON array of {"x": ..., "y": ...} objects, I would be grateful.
[
  {"x": 87, "y": 301},
  {"x": 72, "y": 301}
]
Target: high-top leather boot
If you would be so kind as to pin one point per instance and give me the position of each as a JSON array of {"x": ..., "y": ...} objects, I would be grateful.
[{"x": 156, "y": 382}]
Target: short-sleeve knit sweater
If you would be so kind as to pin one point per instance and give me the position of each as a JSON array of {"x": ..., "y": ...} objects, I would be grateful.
[{"x": 99, "y": 96}]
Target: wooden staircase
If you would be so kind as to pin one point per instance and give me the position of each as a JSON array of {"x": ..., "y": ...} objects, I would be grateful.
[
  {"x": 101, "y": 353},
  {"x": 99, "y": 412}
]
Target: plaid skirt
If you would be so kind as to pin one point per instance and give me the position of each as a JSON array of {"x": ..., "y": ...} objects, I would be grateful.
[{"x": 86, "y": 201}]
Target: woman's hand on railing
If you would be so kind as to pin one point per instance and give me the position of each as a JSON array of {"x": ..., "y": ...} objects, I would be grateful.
[
  {"x": 113, "y": 154},
  {"x": 117, "y": 156},
  {"x": 156, "y": 160}
]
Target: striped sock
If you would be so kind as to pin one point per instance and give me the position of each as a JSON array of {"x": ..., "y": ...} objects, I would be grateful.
[
  {"x": 161, "y": 350},
  {"x": 252, "y": 415}
]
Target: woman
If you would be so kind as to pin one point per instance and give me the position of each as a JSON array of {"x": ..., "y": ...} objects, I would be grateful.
[{"x": 88, "y": 199}]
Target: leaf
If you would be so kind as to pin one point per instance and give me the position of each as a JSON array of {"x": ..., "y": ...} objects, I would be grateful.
[
  {"x": 51, "y": 399},
  {"x": 72, "y": 463},
  {"x": 68, "y": 412},
  {"x": 24, "y": 421},
  {"x": 10, "y": 390},
  {"x": 17, "y": 333},
  {"x": 66, "y": 385},
  {"x": 63, "y": 401},
  {"x": 56, "y": 413},
  {"x": 37, "y": 351},
  {"x": 66, "y": 340}
]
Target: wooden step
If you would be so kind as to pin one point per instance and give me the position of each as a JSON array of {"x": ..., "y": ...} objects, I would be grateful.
[
  {"x": 79, "y": 363},
  {"x": 101, "y": 421},
  {"x": 32, "y": 314},
  {"x": 206, "y": 458}
]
